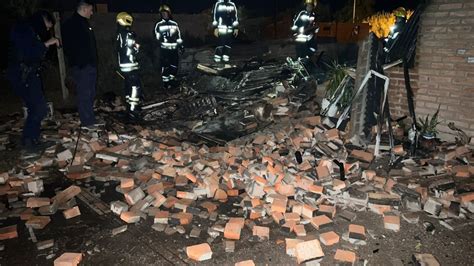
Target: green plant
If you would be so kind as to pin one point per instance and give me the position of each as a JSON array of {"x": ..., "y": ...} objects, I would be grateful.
[
  {"x": 428, "y": 126},
  {"x": 336, "y": 75}
]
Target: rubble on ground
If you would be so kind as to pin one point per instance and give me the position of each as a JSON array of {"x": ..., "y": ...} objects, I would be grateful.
[{"x": 299, "y": 174}]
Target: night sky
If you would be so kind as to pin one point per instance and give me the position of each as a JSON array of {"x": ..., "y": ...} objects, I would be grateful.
[{"x": 264, "y": 7}]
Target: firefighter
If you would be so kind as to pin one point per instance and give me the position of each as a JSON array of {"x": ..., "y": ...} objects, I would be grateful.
[
  {"x": 225, "y": 25},
  {"x": 305, "y": 28},
  {"x": 29, "y": 42},
  {"x": 169, "y": 36},
  {"x": 127, "y": 51},
  {"x": 400, "y": 22}
]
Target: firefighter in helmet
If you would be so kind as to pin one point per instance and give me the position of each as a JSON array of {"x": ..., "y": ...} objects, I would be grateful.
[
  {"x": 304, "y": 30},
  {"x": 395, "y": 30},
  {"x": 127, "y": 51},
  {"x": 225, "y": 23},
  {"x": 169, "y": 36}
]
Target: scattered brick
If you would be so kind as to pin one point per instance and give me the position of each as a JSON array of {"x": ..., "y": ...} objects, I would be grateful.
[
  {"x": 345, "y": 256},
  {"x": 308, "y": 251},
  {"x": 71, "y": 213},
  {"x": 199, "y": 252},
  {"x": 329, "y": 238},
  {"x": 68, "y": 259}
]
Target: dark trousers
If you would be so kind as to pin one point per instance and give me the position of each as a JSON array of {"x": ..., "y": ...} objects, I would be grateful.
[
  {"x": 224, "y": 47},
  {"x": 132, "y": 79},
  {"x": 31, "y": 92},
  {"x": 306, "y": 49},
  {"x": 85, "y": 80},
  {"x": 169, "y": 60}
]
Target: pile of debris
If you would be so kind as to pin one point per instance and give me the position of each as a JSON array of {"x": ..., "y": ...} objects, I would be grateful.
[
  {"x": 244, "y": 155},
  {"x": 297, "y": 173}
]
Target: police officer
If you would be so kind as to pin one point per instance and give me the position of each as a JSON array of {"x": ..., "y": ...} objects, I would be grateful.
[
  {"x": 400, "y": 22},
  {"x": 169, "y": 36},
  {"x": 305, "y": 28},
  {"x": 27, "y": 51},
  {"x": 127, "y": 51},
  {"x": 225, "y": 25}
]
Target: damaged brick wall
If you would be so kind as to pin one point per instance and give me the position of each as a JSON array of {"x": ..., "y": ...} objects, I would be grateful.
[
  {"x": 446, "y": 64},
  {"x": 397, "y": 94}
]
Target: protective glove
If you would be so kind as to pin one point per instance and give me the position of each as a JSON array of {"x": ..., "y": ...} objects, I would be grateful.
[
  {"x": 216, "y": 33},
  {"x": 236, "y": 32}
]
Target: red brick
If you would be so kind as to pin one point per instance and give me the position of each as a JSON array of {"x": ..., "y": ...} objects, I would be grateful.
[
  {"x": 362, "y": 155},
  {"x": 329, "y": 238},
  {"x": 299, "y": 230},
  {"x": 68, "y": 259},
  {"x": 357, "y": 231},
  {"x": 8, "y": 232},
  {"x": 392, "y": 222},
  {"x": 345, "y": 256},
  {"x": 308, "y": 250},
  {"x": 130, "y": 217},
  {"x": 37, "y": 202},
  {"x": 261, "y": 231},
  {"x": 320, "y": 221},
  {"x": 199, "y": 252},
  {"x": 72, "y": 212},
  {"x": 245, "y": 263}
]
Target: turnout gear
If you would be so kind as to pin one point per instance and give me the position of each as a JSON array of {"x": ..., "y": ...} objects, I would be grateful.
[
  {"x": 225, "y": 23},
  {"x": 395, "y": 30},
  {"x": 127, "y": 51},
  {"x": 304, "y": 28},
  {"x": 124, "y": 19},
  {"x": 169, "y": 36}
]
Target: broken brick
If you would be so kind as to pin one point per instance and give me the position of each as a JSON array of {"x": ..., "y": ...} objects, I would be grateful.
[
  {"x": 38, "y": 222},
  {"x": 71, "y": 213},
  {"x": 321, "y": 221},
  {"x": 132, "y": 197},
  {"x": 261, "y": 231},
  {"x": 362, "y": 155},
  {"x": 199, "y": 252},
  {"x": 345, "y": 256},
  {"x": 308, "y": 251},
  {"x": 8, "y": 232},
  {"x": 357, "y": 232},
  {"x": 130, "y": 217},
  {"x": 392, "y": 222},
  {"x": 329, "y": 238},
  {"x": 37, "y": 202},
  {"x": 68, "y": 259},
  {"x": 245, "y": 263}
]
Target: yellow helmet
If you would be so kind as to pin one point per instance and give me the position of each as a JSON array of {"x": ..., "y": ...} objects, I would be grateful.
[
  {"x": 124, "y": 19},
  {"x": 165, "y": 8},
  {"x": 400, "y": 12},
  {"x": 311, "y": 2}
]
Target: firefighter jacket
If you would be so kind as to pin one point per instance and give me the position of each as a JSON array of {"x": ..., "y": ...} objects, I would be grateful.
[
  {"x": 304, "y": 26},
  {"x": 127, "y": 49},
  {"x": 168, "y": 34},
  {"x": 225, "y": 17}
]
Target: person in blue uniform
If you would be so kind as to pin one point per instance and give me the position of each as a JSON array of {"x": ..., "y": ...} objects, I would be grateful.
[{"x": 28, "y": 48}]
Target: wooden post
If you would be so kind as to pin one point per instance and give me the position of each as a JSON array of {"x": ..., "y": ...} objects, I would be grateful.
[{"x": 62, "y": 64}]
